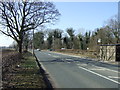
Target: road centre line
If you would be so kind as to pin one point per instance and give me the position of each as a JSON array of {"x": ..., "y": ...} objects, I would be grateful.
[{"x": 99, "y": 75}]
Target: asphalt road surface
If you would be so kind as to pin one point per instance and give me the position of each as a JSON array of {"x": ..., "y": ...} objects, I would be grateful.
[{"x": 73, "y": 72}]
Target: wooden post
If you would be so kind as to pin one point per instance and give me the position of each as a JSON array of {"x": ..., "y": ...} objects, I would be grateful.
[{"x": 33, "y": 43}]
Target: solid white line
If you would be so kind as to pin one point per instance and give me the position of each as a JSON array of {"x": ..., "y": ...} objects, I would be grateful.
[
  {"x": 106, "y": 69},
  {"x": 113, "y": 77},
  {"x": 99, "y": 75},
  {"x": 97, "y": 69},
  {"x": 112, "y": 70}
]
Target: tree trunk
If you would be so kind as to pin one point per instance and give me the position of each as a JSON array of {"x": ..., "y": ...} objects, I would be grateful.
[{"x": 20, "y": 46}]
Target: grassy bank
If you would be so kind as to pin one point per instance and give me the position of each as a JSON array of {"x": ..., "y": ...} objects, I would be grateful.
[
  {"x": 25, "y": 74},
  {"x": 82, "y": 53}
]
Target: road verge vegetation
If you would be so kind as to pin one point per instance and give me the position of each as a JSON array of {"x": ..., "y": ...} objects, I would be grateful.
[
  {"x": 82, "y": 53},
  {"x": 23, "y": 74}
]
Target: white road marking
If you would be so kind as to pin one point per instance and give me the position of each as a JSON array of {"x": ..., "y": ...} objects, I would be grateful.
[
  {"x": 106, "y": 69},
  {"x": 113, "y": 70},
  {"x": 53, "y": 55},
  {"x": 85, "y": 58},
  {"x": 99, "y": 75},
  {"x": 97, "y": 69},
  {"x": 82, "y": 64},
  {"x": 49, "y": 54},
  {"x": 114, "y": 77},
  {"x": 68, "y": 62},
  {"x": 68, "y": 59}
]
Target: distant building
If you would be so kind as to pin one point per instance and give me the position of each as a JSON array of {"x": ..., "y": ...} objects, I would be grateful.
[{"x": 110, "y": 52}]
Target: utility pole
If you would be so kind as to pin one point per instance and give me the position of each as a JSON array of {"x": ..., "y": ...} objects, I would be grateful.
[
  {"x": 33, "y": 43},
  {"x": 119, "y": 19}
]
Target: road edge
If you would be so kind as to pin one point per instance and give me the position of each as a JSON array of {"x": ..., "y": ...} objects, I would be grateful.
[
  {"x": 103, "y": 62},
  {"x": 46, "y": 77}
]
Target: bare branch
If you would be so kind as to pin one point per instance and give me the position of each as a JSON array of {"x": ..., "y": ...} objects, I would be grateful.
[{"x": 20, "y": 17}]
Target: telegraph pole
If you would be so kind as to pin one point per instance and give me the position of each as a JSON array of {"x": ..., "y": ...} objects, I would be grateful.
[
  {"x": 119, "y": 19},
  {"x": 33, "y": 43}
]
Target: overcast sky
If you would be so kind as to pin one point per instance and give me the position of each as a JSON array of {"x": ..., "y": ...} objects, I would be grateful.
[{"x": 85, "y": 15}]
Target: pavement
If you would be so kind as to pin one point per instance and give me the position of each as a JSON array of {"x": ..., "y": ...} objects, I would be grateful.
[{"x": 67, "y": 71}]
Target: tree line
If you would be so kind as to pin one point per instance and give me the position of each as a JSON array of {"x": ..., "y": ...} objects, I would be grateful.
[
  {"x": 55, "y": 38},
  {"x": 19, "y": 19}
]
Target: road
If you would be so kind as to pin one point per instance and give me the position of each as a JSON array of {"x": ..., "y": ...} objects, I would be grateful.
[{"x": 73, "y": 72}]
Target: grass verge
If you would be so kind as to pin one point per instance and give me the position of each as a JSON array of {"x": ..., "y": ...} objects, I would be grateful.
[{"x": 26, "y": 74}]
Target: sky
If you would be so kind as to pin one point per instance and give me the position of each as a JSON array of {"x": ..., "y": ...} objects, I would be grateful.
[
  {"x": 84, "y": 16},
  {"x": 81, "y": 16}
]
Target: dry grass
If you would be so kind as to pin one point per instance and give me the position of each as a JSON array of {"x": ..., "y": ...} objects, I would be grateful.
[
  {"x": 24, "y": 74},
  {"x": 81, "y": 53}
]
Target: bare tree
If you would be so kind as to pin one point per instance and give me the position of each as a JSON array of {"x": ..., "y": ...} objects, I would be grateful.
[
  {"x": 18, "y": 17},
  {"x": 50, "y": 40},
  {"x": 113, "y": 25},
  {"x": 26, "y": 40},
  {"x": 57, "y": 37},
  {"x": 70, "y": 31}
]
